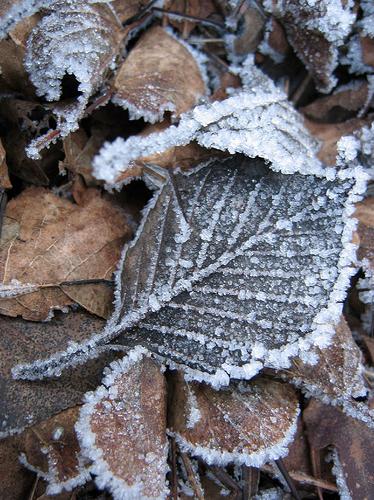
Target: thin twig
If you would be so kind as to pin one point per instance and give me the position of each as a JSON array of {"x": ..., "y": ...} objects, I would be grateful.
[
  {"x": 282, "y": 469},
  {"x": 188, "y": 17},
  {"x": 251, "y": 479},
  {"x": 174, "y": 480},
  {"x": 199, "y": 494},
  {"x": 303, "y": 478}
]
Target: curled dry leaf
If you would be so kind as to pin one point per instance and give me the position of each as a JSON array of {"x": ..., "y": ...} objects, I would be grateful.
[
  {"x": 329, "y": 426},
  {"x": 249, "y": 423},
  {"x": 23, "y": 404},
  {"x": 51, "y": 449},
  {"x": 49, "y": 249},
  {"x": 75, "y": 38},
  {"x": 122, "y": 429},
  {"x": 316, "y": 31},
  {"x": 148, "y": 84}
]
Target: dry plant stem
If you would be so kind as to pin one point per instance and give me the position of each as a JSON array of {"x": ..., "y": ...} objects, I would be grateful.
[
  {"x": 187, "y": 17},
  {"x": 282, "y": 469},
  {"x": 316, "y": 467},
  {"x": 302, "y": 478},
  {"x": 226, "y": 480},
  {"x": 199, "y": 494},
  {"x": 251, "y": 478},
  {"x": 3, "y": 200},
  {"x": 298, "y": 93},
  {"x": 140, "y": 14},
  {"x": 34, "y": 486}
]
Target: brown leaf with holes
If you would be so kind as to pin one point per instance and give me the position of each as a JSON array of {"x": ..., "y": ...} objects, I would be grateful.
[
  {"x": 250, "y": 423},
  {"x": 54, "y": 253},
  {"x": 52, "y": 448},
  {"x": 24, "y": 403},
  {"x": 4, "y": 176},
  {"x": 159, "y": 75},
  {"x": 338, "y": 373},
  {"x": 329, "y": 426},
  {"x": 122, "y": 428}
]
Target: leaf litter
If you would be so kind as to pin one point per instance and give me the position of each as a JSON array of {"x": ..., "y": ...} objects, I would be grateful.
[{"x": 240, "y": 266}]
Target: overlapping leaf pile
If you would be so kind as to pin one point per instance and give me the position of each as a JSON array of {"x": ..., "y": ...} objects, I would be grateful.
[{"x": 177, "y": 205}]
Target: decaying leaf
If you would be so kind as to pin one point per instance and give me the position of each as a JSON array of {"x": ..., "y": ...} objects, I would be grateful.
[
  {"x": 51, "y": 449},
  {"x": 365, "y": 215},
  {"x": 328, "y": 426},
  {"x": 148, "y": 84},
  {"x": 215, "y": 291},
  {"x": 24, "y": 404},
  {"x": 75, "y": 38},
  {"x": 54, "y": 253},
  {"x": 337, "y": 377},
  {"x": 250, "y": 423},
  {"x": 16, "y": 481},
  {"x": 122, "y": 428},
  {"x": 315, "y": 31},
  {"x": 4, "y": 177}
]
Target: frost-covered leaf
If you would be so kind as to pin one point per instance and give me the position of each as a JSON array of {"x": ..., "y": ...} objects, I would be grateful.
[
  {"x": 256, "y": 121},
  {"x": 50, "y": 247},
  {"x": 337, "y": 377},
  {"x": 122, "y": 429},
  {"x": 24, "y": 404},
  {"x": 365, "y": 215},
  {"x": 247, "y": 268},
  {"x": 13, "y": 11},
  {"x": 329, "y": 426},
  {"x": 316, "y": 30},
  {"x": 250, "y": 423},
  {"x": 74, "y": 38},
  {"x": 160, "y": 74},
  {"x": 51, "y": 449}
]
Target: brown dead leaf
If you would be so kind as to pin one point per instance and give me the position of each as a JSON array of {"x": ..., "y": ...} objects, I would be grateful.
[
  {"x": 16, "y": 481},
  {"x": 365, "y": 215},
  {"x": 52, "y": 448},
  {"x": 26, "y": 403},
  {"x": 4, "y": 177},
  {"x": 249, "y": 32},
  {"x": 122, "y": 428},
  {"x": 276, "y": 38},
  {"x": 330, "y": 133},
  {"x": 367, "y": 48},
  {"x": 201, "y": 9},
  {"x": 329, "y": 426},
  {"x": 342, "y": 105},
  {"x": 250, "y": 423},
  {"x": 51, "y": 247},
  {"x": 338, "y": 373},
  {"x": 128, "y": 9},
  {"x": 159, "y": 75}
]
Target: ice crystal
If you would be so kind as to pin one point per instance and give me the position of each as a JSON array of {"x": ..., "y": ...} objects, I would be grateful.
[{"x": 247, "y": 268}]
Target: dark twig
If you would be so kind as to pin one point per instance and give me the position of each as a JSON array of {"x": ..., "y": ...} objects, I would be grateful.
[
  {"x": 139, "y": 14},
  {"x": 174, "y": 480},
  {"x": 251, "y": 479},
  {"x": 226, "y": 480},
  {"x": 188, "y": 17},
  {"x": 282, "y": 469},
  {"x": 199, "y": 494}
]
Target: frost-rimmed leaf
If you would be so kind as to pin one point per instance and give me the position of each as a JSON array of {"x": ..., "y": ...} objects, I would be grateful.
[
  {"x": 337, "y": 377},
  {"x": 257, "y": 121},
  {"x": 148, "y": 84},
  {"x": 122, "y": 429},
  {"x": 75, "y": 38},
  {"x": 316, "y": 30},
  {"x": 247, "y": 423},
  {"x": 52, "y": 451},
  {"x": 248, "y": 267}
]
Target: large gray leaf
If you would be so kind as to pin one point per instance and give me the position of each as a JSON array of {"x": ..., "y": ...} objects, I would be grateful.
[{"x": 234, "y": 267}]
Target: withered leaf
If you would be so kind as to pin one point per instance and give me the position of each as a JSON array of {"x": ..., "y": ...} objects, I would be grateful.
[
  {"x": 51, "y": 448},
  {"x": 122, "y": 429},
  {"x": 326, "y": 426},
  {"x": 365, "y": 215},
  {"x": 250, "y": 423},
  {"x": 149, "y": 83},
  {"x": 23, "y": 403},
  {"x": 315, "y": 32},
  {"x": 51, "y": 247},
  {"x": 75, "y": 38},
  {"x": 337, "y": 376},
  {"x": 244, "y": 271},
  {"x": 4, "y": 177}
]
